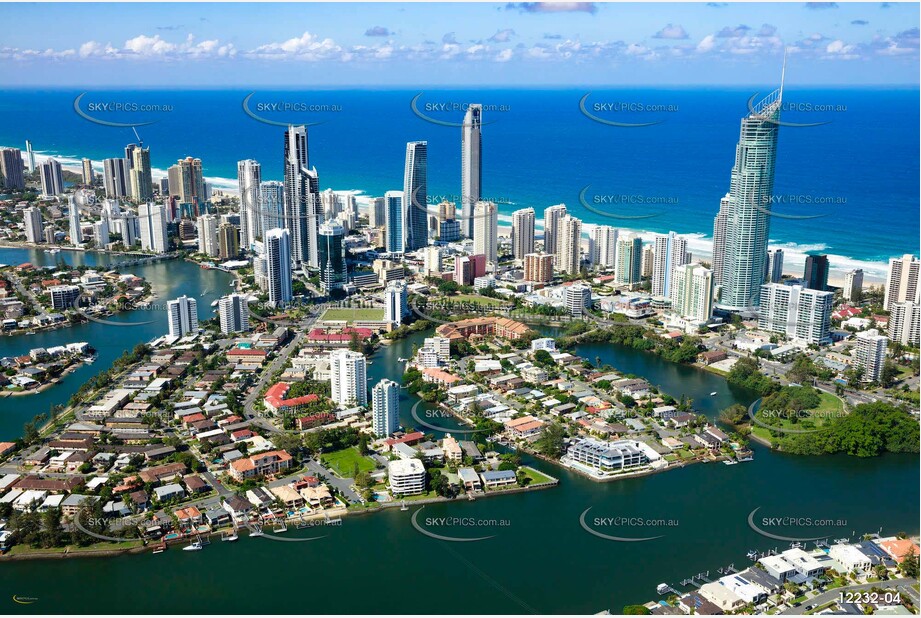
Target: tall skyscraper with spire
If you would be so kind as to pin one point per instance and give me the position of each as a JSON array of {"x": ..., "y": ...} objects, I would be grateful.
[
  {"x": 415, "y": 196},
  {"x": 746, "y": 224},
  {"x": 471, "y": 166},
  {"x": 303, "y": 210}
]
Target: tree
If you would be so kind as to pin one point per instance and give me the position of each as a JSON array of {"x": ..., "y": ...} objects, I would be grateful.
[
  {"x": 889, "y": 374},
  {"x": 636, "y": 610},
  {"x": 550, "y": 442},
  {"x": 909, "y": 564}
]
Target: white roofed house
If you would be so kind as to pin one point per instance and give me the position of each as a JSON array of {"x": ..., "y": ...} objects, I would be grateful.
[{"x": 850, "y": 557}]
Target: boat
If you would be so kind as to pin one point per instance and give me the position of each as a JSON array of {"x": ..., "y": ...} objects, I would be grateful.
[
  {"x": 159, "y": 549},
  {"x": 403, "y": 506},
  {"x": 752, "y": 555},
  {"x": 229, "y": 537},
  {"x": 713, "y": 394},
  {"x": 662, "y": 588},
  {"x": 193, "y": 546},
  {"x": 730, "y": 462}
]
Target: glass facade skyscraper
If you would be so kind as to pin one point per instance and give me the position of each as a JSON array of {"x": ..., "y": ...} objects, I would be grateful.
[{"x": 746, "y": 224}]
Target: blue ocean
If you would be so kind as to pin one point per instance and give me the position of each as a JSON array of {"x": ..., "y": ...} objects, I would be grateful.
[{"x": 849, "y": 155}]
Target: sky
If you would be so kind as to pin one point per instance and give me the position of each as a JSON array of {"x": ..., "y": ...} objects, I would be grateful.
[{"x": 456, "y": 44}]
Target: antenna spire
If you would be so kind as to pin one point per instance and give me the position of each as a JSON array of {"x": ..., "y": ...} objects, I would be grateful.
[{"x": 783, "y": 72}]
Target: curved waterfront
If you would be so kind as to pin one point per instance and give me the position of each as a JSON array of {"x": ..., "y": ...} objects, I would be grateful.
[
  {"x": 168, "y": 279},
  {"x": 542, "y": 562}
]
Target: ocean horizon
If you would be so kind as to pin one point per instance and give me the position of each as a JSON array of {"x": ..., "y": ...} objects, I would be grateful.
[{"x": 854, "y": 168}]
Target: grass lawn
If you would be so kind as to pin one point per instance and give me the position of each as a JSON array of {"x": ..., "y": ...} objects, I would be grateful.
[
  {"x": 23, "y": 550},
  {"x": 343, "y": 462},
  {"x": 473, "y": 298},
  {"x": 349, "y": 315},
  {"x": 685, "y": 454},
  {"x": 534, "y": 476},
  {"x": 829, "y": 409}
]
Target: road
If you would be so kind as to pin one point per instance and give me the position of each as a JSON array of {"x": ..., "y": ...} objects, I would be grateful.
[{"x": 902, "y": 585}]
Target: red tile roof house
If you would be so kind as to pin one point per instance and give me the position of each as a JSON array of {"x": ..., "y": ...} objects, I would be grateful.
[
  {"x": 262, "y": 464},
  {"x": 410, "y": 439},
  {"x": 314, "y": 420},
  {"x": 276, "y": 402},
  {"x": 246, "y": 356}
]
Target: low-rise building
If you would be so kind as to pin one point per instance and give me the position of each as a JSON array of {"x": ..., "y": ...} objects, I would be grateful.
[{"x": 407, "y": 477}]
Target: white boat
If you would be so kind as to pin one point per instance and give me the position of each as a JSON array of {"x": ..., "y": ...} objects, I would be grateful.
[
  {"x": 193, "y": 546},
  {"x": 662, "y": 588},
  {"x": 403, "y": 506},
  {"x": 730, "y": 462},
  {"x": 229, "y": 537},
  {"x": 713, "y": 394}
]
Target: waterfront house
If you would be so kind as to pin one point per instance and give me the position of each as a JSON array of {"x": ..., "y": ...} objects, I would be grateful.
[
  {"x": 694, "y": 603},
  {"x": 850, "y": 557},
  {"x": 469, "y": 479},
  {"x": 721, "y": 596},
  {"x": 805, "y": 564},
  {"x": 238, "y": 507},
  {"x": 494, "y": 479},
  {"x": 289, "y": 496},
  {"x": 524, "y": 428},
  {"x": 778, "y": 567},
  {"x": 897, "y": 549},
  {"x": 260, "y": 497},
  {"x": 72, "y": 504},
  {"x": 682, "y": 420},
  {"x": 217, "y": 517},
  {"x": 318, "y": 496},
  {"x": 410, "y": 439},
  {"x": 188, "y": 516},
  {"x": 746, "y": 589}
]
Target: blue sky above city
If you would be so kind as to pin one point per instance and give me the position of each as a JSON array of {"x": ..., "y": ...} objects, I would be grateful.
[{"x": 453, "y": 44}]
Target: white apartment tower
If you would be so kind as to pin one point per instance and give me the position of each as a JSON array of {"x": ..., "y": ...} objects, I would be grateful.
[
  {"x": 902, "y": 282},
  {"x": 871, "y": 354},
  {"x": 568, "y": 237},
  {"x": 522, "y": 232},
  {"x": 486, "y": 231},
  {"x": 798, "y": 313},
  {"x": 385, "y": 404},
  {"x": 671, "y": 251},
  {"x": 182, "y": 314},
  {"x": 249, "y": 179},
  {"x": 277, "y": 253},
  {"x": 234, "y": 314},
  {"x": 152, "y": 225},
  {"x": 348, "y": 378},
  {"x": 691, "y": 292},
  {"x": 604, "y": 246}
]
